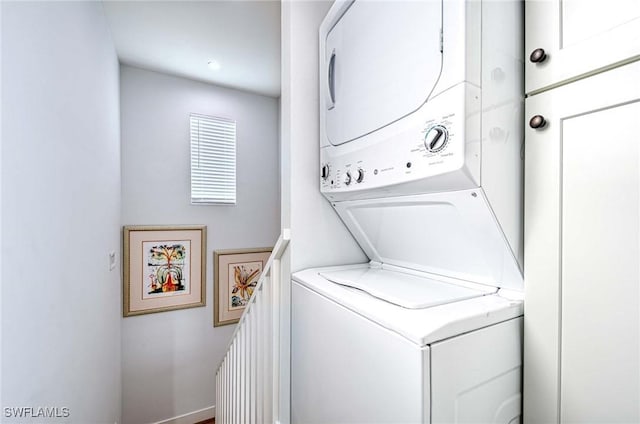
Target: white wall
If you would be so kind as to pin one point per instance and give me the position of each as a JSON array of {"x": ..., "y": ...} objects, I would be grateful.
[
  {"x": 318, "y": 237},
  {"x": 60, "y": 211},
  {"x": 170, "y": 358}
]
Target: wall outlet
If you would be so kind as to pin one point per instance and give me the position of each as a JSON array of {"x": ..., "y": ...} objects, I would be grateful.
[{"x": 112, "y": 260}]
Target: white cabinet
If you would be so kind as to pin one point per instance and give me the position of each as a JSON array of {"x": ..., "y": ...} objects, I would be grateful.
[
  {"x": 578, "y": 38},
  {"x": 582, "y": 252}
]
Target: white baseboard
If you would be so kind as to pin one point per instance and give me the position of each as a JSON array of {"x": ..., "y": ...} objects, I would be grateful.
[{"x": 191, "y": 417}]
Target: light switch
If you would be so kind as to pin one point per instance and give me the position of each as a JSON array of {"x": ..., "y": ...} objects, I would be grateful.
[{"x": 112, "y": 260}]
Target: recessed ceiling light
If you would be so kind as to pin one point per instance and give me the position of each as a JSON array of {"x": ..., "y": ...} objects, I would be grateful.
[{"x": 213, "y": 64}]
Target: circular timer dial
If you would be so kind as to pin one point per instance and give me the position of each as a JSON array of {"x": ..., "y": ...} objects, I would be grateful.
[
  {"x": 436, "y": 138},
  {"x": 359, "y": 175},
  {"x": 347, "y": 178},
  {"x": 324, "y": 172}
]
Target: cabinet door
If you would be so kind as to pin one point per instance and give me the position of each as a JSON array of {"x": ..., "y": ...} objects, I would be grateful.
[
  {"x": 582, "y": 252},
  {"x": 578, "y": 37}
]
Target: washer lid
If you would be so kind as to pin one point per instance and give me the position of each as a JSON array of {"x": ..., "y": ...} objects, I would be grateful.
[
  {"x": 420, "y": 326},
  {"x": 402, "y": 289},
  {"x": 454, "y": 234}
]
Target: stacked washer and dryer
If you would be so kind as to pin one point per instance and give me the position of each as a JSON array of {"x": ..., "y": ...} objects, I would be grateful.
[{"x": 421, "y": 141}]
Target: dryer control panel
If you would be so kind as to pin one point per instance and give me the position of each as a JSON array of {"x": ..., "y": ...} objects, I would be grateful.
[{"x": 429, "y": 143}]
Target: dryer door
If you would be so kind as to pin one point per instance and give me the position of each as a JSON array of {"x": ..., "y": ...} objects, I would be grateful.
[{"x": 381, "y": 62}]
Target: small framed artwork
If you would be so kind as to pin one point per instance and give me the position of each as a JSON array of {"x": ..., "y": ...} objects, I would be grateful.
[
  {"x": 236, "y": 274},
  {"x": 164, "y": 268}
]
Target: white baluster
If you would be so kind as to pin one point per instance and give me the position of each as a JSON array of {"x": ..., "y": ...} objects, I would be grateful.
[
  {"x": 243, "y": 372},
  {"x": 233, "y": 387},
  {"x": 260, "y": 349},
  {"x": 247, "y": 365},
  {"x": 252, "y": 364},
  {"x": 275, "y": 360},
  {"x": 268, "y": 351},
  {"x": 248, "y": 379}
]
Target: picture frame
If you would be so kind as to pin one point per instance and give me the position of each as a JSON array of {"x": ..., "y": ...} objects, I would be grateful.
[
  {"x": 236, "y": 274},
  {"x": 164, "y": 268}
]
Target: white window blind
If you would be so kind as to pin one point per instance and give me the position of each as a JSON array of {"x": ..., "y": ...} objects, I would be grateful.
[{"x": 213, "y": 160}]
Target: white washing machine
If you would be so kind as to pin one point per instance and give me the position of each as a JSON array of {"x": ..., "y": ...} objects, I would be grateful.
[
  {"x": 421, "y": 138},
  {"x": 388, "y": 342},
  {"x": 444, "y": 353}
]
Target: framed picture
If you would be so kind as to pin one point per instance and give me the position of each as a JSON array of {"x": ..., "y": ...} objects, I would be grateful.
[
  {"x": 164, "y": 268},
  {"x": 236, "y": 274}
]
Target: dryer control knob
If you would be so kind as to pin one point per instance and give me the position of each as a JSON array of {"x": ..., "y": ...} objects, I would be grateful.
[
  {"x": 347, "y": 178},
  {"x": 436, "y": 138},
  {"x": 360, "y": 175},
  {"x": 324, "y": 171}
]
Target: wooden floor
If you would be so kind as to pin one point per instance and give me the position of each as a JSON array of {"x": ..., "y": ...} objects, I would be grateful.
[{"x": 209, "y": 421}]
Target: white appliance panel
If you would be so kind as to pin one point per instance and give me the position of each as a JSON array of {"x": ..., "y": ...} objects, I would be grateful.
[
  {"x": 502, "y": 111},
  {"x": 347, "y": 369},
  {"x": 396, "y": 159},
  {"x": 476, "y": 377},
  {"x": 374, "y": 76},
  {"x": 453, "y": 234}
]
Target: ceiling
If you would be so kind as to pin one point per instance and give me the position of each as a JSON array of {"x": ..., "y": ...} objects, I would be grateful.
[{"x": 180, "y": 37}]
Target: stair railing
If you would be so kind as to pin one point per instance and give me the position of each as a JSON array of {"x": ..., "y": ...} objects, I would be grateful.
[{"x": 247, "y": 379}]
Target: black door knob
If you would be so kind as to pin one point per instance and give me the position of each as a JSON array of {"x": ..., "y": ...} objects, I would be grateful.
[
  {"x": 538, "y": 56},
  {"x": 537, "y": 122}
]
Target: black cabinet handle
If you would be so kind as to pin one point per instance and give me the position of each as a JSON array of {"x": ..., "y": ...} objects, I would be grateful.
[
  {"x": 538, "y": 56},
  {"x": 537, "y": 122}
]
